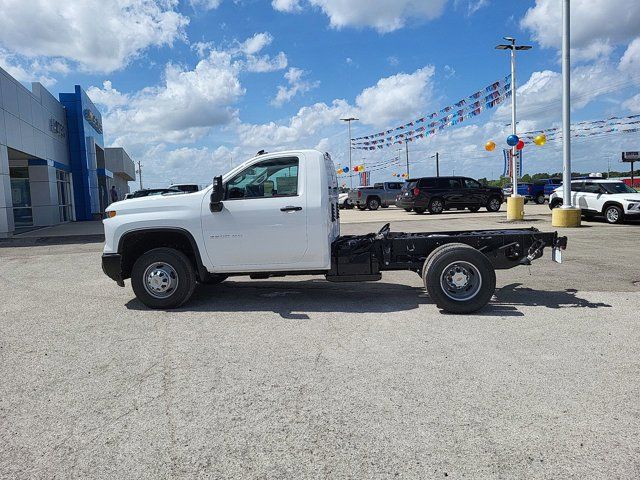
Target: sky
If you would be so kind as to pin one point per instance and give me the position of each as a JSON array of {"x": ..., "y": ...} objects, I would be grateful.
[{"x": 191, "y": 88}]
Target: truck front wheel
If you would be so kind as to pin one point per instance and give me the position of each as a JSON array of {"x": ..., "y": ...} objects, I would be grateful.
[
  {"x": 163, "y": 278},
  {"x": 373, "y": 204},
  {"x": 459, "y": 278}
]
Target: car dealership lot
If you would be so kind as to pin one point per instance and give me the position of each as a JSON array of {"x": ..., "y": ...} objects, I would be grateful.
[{"x": 301, "y": 378}]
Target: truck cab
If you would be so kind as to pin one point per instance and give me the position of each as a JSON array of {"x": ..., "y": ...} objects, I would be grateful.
[{"x": 274, "y": 215}]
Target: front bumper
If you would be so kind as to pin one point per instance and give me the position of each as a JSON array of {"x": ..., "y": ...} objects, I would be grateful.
[{"x": 112, "y": 267}]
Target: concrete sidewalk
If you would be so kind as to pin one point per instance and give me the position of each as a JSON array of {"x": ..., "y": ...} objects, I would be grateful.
[{"x": 72, "y": 232}]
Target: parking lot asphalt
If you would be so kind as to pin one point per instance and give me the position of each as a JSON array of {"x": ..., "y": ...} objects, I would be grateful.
[{"x": 301, "y": 378}]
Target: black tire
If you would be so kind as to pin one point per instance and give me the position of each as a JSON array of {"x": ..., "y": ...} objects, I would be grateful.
[
  {"x": 613, "y": 214},
  {"x": 474, "y": 209},
  {"x": 214, "y": 278},
  {"x": 373, "y": 203},
  {"x": 555, "y": 203},
  {"x": 346, "y": 205},
  {"x": 419, "y": 211},
  {"x": 408, "y": 209},
  {"x": 474, "y": 268},
  {"x": 165, "y": 265},
  {"x": 494, "y": 204},
  {"x": 362, "y": 207},
  {"x": 526, "y": 200},
  {"x": 540, "y": 199},
  {"x": 436, "y": 206}
]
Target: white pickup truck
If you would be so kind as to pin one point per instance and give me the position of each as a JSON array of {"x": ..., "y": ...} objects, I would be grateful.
[{"x": 277, "y": 214}]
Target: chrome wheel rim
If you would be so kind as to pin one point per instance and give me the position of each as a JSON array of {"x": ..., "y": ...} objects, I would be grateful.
[
  {"x": 373, "y": 204},
  {"x": 494, "y": 204},
  {"x": 613, "y": 215},
  {"x": 461, "y": 281},
  {"x": 160, "y": 280},
  {"x": 437, "y": 206}
]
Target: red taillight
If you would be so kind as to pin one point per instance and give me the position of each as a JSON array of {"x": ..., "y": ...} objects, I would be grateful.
[
  {"x": 530, "y": 188},
  {"x": 359, "y": 194},
  {"x": 416, "y": 191}
]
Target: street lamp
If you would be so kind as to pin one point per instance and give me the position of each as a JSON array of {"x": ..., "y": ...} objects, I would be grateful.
[
  {"x": 349, "y": 120},
  {"x": 516, "y": 212}
]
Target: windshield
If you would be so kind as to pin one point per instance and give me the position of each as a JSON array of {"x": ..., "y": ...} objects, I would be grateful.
[{"x": 618, "y": 187}]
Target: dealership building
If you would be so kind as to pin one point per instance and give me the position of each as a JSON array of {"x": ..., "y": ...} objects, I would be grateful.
[{"x": 54, "y": 167}]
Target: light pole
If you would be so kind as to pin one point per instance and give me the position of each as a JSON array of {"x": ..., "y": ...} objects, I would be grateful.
[
  {"x": 567, "y": 215},
  {"x": 406, "y": 147},
  {"x": 437, "y": 157},
  {"x": 516, "y": 212},
  {"x": 139, "y": 172},
  {"x": 349, "y": 120}
]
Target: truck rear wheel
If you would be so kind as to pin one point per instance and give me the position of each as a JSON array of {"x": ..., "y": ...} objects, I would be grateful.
[
  {"x": 373, "y": 204},
  {"x": 459, "y": 278},
  {"x": 540, "y": 199},
  {"x": 436, "y": 206},
  {"x": 493, "y": 205},
  {"x": 163, "y": 278}
]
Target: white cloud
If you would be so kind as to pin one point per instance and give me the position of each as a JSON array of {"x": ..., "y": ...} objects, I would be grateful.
[
  {"x": 595, "y": 24},
  {"x": 257, "y": 43},
  {"x": 100, "y": 36},
  {"x": 28, "y": 71},
  {"x": 397, "y": 97},
  {"x": 476, "y": 5},
  {"x": 286, "y": 5},
  {"x": 633, "y": 103},
  {"x": 184, "y": 108},
  {"x": 630, "y": 61},
  {"x": 297, "y": 84},
  {"x": 382, "y": 15},
  {"x": 263, "y": 63},
  {"x": 205, "y": 4}
]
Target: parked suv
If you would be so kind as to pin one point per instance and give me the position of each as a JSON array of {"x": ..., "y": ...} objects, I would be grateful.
[
  {"x": 611, "y": 198},
  {"x": 380, "y": 195},
  {"x": 438, "y": 194}
]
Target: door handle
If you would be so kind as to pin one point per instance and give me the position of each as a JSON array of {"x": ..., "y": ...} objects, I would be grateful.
[{"x": 290, "y": 208}]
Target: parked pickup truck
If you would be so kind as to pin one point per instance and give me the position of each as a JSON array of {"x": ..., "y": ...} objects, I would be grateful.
[
  {"x": 537, "y": 191},
  {"x": 277, "y": 214},
  {"x": 380, "y": 195}
]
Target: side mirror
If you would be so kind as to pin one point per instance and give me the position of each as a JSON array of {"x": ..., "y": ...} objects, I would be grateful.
[{"x": 217, "y": 194}]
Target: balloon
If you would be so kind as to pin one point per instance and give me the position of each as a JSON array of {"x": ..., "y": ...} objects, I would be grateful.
[
  {"x": 519, "y": 145},
  {"x": 345, "y": 169},
  {"x": 512, "y": 140},
  {"x": 340, "y": 171},
  {"x": 489, "y": 146},
  {"x": 540, "y": 140}
]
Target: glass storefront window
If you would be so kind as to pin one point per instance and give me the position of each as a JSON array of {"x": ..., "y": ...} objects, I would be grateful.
[
  {"x": 64, "y": 195},
  {"x": 21, "y": 195}
]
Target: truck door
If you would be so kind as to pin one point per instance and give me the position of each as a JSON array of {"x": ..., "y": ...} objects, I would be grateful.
[
  {"x": 474, "y": 193},
  {"x": 263, "y": 220}
]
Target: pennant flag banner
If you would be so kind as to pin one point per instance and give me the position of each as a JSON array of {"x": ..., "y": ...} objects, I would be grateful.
[
  {"x": 489, "y": 97},
  {"x": 364, "y": 179},
  {"x": 508, "y": 163},
  {"x": 629, "y": 124}
]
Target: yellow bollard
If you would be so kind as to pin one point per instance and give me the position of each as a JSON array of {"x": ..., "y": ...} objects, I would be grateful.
[
  {"x": 515, "y": 208},
  {"x": 566, "y": 217}
]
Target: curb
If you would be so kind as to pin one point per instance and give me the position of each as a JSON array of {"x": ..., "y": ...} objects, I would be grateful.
[{"x": 44, "y": 241}]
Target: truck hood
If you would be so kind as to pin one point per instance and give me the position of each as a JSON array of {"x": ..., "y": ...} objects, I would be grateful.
[{"x": 156, "y": 203}]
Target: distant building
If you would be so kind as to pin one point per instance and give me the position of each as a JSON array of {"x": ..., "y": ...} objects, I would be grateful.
[{"x": 53, "y": 164}]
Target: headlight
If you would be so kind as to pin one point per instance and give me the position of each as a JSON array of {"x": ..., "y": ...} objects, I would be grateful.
[{"x": 111, "y": 213}]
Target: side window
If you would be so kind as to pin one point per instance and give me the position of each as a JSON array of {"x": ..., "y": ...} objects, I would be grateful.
[
  {"x": 592, "y": 188},
  {"x": 394, "y": 186},
  {"x": 277, "y": 177},
  {"x": 428, "y": 183},
  {"x": 453, "y": 183},
  {"x": 469, "y": 183},
  {"x": 577, "y": 186}
]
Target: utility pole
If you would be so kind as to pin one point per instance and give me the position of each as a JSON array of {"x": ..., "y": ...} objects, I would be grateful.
[
  {"x": 517, "y": 211},
  {"x": 139, "y": 172},
  {"x": 567, "y": 215},
  {"x": 437, "y": 157},
  {"x": 406, "y": 147},
  {"x": 349, "y": 120}
]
